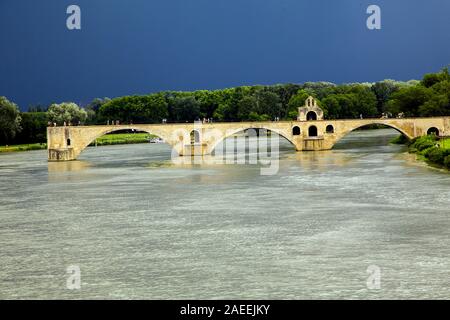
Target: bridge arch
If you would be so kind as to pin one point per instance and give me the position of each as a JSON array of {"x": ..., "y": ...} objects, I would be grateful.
[
  {"x": 312, "y": 131},
  {"x": 433, "y": 130},
  {"x": 329, "y": 129},
  {"x": 390, "y": 125},
  {"x": 80, "y": 146},
  {"x": 233, "y": 132}
]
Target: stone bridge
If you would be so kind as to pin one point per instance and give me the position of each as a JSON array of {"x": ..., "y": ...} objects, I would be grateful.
[{"x": 307, "y": 134}]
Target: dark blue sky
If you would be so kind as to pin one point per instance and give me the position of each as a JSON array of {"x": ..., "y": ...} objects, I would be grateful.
[{"x": 142, "y": 46}]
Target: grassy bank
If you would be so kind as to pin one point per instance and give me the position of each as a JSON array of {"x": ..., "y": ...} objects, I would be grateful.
[
  {"x": 123, "y": 138},
  {"x": 400, "y": 139},
  {"x": 23, "y": 147},
  {"x": 434, "y": 151}
]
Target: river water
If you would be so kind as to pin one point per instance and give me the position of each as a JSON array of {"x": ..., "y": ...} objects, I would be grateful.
[{"x": 138, "y": 225}]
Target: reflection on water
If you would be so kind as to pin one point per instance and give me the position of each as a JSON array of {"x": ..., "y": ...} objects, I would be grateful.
[
  {"x": 76, "y": 165},
  {"x": 142, "y": 225}
]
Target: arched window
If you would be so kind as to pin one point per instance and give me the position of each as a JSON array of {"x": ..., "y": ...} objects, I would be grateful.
[
  {"x": 68, "y": 142},
  {"x": 312, "y": 131},
  {"x": 434, "y": 131},
  {"x": 295, "y": 131},
  {"x": 311, "y": 116},
  {"x": 330, "y": 129},
  {"x": 195, "y": 136}
]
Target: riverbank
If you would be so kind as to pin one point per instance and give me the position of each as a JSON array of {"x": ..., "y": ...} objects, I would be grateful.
[
  {"x": 23, "y": 147},
  {"x": 106, "y": 140},
  {"x": 432, "y": 150}
]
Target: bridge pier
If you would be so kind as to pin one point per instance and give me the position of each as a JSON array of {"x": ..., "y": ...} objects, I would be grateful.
[
  {"x": 195, "y": 149},
  {"x": 66, "y": 154}
]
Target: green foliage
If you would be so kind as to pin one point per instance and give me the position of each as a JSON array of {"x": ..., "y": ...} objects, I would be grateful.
[
  {"x": 433, "y": 150},
  {"x": 247, "y": 106},
  {"x": 184, "y": 108},
  {"x": 37, "y": 108},
  {"x": 123, "y": 138},
  {"x": 269, "y": 104},
  {"x": 67, "y": 112},
  {"x": 383, "y": 91},
  {"x": 254, "y": 116},
  {"x": 400, "y": 139},
  {"x": 409, "y": 99},
  {"x": 320, "y": 89},
  {"x": 447, "y": 162},
  {"x": 430, "y": 80},
  {"x": 223, "y": 113},
  {"x": 9, "y": 120},
  {"x": 23, "y": 147},
  {"x": 92, "y": 111},
  {"x": 437, "y": 105},
  {"x": 436, "y": 155},
  {"x": 136, "y": 109},
  {"x": 297, "y": 101},
  {"x": 245, "y": 103},
  {"x": 34, "y": 128},
  {"x": 263, "y": 105},
  {"x": 430, "y": 97},
  {"x": 422, "y": 143},
  {"x": 350, "y": 101}
]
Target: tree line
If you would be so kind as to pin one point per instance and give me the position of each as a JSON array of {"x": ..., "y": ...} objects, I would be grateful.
[{"x": 428, "y": 97}]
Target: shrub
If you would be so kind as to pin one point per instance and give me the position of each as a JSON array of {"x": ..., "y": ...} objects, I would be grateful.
[
  {"x": 426, "y": 152},
  {"x": 447, "y": 161},
  {"x": 423, "y": 143},
  {"x": 436, "y": 155},
  {"x": 400, "y": 139}
]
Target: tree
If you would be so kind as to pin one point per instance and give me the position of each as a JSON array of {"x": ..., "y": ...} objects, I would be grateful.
[
  {"x": 438, "y": 105},
  {"x": 9, "y": 120},
  {"x": 93, "y": 111},
  {"x": 431, "y": 79},
  {"x": 246, "y": 106},
  {"x": 346, "y": 103},
  {"x": 319, "y": 89},
  {"x": 97, "y": 103},
  {"x": 268, "y": 103},
  {"x": 156, "y": 108},
  {"x": 34, "y": 128},
  {"x": 224, "y": 112},
  {"x": 297, "y": 101},
  {"x": 383, "y": 91},
  {"x": 37, "y": 108},
  {"x": 185, "y": 108},
  {"x": 409, "y": 99},
  {"x": 332, "y": 105},
  {"x": 209, "y": 101},
  {"x": 67, "y": 112},
  {"x": 137, "y": 109},
  {"x": 365, "y": 102},
  {"x": 285, "y": 93}
]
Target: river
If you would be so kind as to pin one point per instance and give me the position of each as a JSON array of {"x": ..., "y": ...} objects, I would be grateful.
[{"x": 139, "y": 226}]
